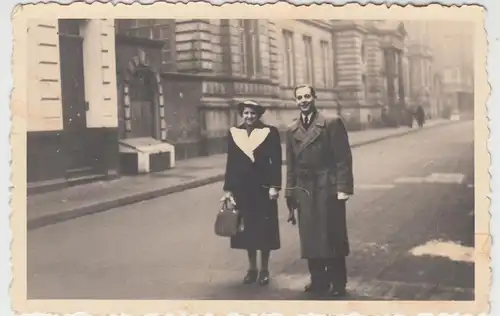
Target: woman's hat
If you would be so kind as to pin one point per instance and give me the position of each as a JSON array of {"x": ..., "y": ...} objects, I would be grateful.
[{"x": 259, "y": 109}]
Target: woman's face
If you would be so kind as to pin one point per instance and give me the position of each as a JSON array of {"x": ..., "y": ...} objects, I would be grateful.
[{"x": 249, "y": 116}]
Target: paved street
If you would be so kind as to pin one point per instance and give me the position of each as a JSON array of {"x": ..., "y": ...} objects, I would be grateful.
[{"x": 411, "y": 231}]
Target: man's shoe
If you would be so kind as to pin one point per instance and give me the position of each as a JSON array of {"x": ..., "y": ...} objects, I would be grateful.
[
  {"x": 316, "y": 288},
  {"x": 337, "y": 292}
]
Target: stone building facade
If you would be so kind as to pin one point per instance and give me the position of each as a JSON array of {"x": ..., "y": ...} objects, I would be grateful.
[
  {"x": 207, "y": 66},
  {"x": 102, "y": 91},
  {"x": 71, "y": 102}
]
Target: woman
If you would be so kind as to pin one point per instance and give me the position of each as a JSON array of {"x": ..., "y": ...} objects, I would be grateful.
[{"x": 253, "y": 182}]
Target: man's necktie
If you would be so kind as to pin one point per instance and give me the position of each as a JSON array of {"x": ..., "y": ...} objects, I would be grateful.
[{"x": 306, "y": 123}]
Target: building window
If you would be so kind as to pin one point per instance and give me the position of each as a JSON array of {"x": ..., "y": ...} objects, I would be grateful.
[
  {"x": 365, "y": 85},
  {"x": 251, "y": 63},
  {"x": 326, "y": 57},
  {"x": 289, "y": 59},
  {"x": 141, "y": 28},
  {"x": 168, "y": 51},
  {"x": 154, "y": 29},
  {"x": 363, "y": 54},
  {"x": 308, "y": 63},
  {"x": 429, "y": 76}
]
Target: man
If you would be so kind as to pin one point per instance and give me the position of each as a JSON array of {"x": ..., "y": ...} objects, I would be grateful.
[{"x": 319, "y": 182}]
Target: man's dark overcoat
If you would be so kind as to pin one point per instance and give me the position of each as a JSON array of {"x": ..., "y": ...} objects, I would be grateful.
[
  {"x": 319, "y": 164},
  {"x": 253, "y": 166}
]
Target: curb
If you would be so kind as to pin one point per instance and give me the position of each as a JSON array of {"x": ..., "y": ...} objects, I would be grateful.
[
  {"x": 143, "y": 196},
  {"x": 122, "y": 201}
]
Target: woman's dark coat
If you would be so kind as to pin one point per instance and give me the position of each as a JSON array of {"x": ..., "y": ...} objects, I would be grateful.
[
  {"x": 249, "y": 181},
  {"x": 319, "y": 164}
]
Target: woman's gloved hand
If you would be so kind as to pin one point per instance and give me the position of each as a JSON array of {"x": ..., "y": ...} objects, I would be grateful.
[{"x": 228, "y": 196}]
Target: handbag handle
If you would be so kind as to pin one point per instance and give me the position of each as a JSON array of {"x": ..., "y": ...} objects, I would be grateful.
[{"x": 226, "y": 203}]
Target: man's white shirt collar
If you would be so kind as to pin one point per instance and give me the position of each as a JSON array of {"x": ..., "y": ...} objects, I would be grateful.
[{"x": 308, "y": 117}]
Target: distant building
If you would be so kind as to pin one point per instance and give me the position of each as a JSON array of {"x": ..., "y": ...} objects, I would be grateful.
[
  {"x": 442, "y": 64},
  {"x": 71, "y": 106},
  {"x": 458, "y": 88},
  {"x": 453, "y": 47}
]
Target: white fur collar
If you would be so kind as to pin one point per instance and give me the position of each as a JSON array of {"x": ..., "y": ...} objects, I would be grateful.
[{"x": 248, "y": 143}]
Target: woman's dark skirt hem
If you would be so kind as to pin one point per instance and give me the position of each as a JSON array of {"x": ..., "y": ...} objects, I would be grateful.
[
  {"x": 259, "y": 249},
  {"x": 270, "y": 246}
]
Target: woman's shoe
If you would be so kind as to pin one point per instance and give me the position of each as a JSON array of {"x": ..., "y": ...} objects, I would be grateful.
[
  {"x": 264, "y": 277},
  {"x": 251, "y": 277}
]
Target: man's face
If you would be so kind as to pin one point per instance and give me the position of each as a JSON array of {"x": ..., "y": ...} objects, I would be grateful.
[{"x": 304, "y": 99}]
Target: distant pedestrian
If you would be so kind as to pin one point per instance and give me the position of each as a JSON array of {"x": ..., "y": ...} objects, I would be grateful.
[
  {"x": 319, "y": 182},
  {"x": 253, "y": 180},
  {"x": 420, "y": 116}
]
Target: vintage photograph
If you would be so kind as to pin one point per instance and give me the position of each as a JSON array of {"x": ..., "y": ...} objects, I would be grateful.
[{"x": 275, "y": 159}]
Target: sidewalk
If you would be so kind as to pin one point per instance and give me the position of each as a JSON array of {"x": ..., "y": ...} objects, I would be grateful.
[{"x": 52, "y": 207}]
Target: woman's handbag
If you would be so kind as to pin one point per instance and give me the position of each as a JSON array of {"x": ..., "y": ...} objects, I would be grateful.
[{"x": 227, "y": 222}]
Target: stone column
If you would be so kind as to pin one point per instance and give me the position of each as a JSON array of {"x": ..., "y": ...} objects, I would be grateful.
[
  {"x": 274, "y": 52},
  {"x": 348, "y": 59},
  {"x": 389, "y": 73},
  {"x": 194, "y": 45},
  {"x": 349, "y": 71},
  {"x": 401, "y": 83},
  {"x": 235, "y": 41},
  {"x": 406, "y": 75},
  {"x": 264, "y": 49},
  {"x": 217, "y": 41},
  {"x": 374, "y": 63},
  {"x": 225, "y": 42}
]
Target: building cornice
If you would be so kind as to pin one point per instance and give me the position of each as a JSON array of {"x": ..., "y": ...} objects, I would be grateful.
[
  {"x": 399, "y": 31},
  {"x": 318, "y": 23},
  {"x": 336, "y": 25},
  {"x": 343, "y": 25}
]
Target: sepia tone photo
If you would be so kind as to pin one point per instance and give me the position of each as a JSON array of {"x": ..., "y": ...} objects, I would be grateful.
[{"x": 283, "y": 154}]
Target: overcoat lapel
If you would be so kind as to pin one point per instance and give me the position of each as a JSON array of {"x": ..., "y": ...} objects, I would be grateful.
[
  {"x": 248, "y": 143},
  {"x": 304, "y": 138}
]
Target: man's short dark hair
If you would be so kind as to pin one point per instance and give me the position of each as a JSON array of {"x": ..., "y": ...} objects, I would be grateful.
[{"x": 313, "y": 91}]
